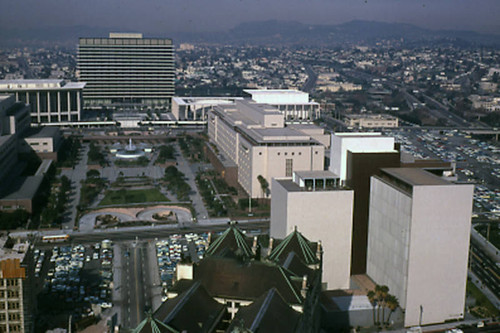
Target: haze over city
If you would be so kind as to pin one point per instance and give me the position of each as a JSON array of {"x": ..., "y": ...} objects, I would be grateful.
[{"x": 164, "y": 17}]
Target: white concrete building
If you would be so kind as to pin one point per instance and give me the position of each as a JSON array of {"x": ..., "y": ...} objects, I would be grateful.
[
  {"x": 197, "y": 108},
  {"x": 51, "y": 101},
  {"x": 314, "y": 202},
  {"x": 418, "y": 242},
  {"x": 293, "y": 104},
  {"x": 255, "y": 138},
  {"x": 357, "y": 143}
]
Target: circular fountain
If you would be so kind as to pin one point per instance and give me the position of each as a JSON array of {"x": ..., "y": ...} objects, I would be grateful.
[{"x": 130, "y": 151}]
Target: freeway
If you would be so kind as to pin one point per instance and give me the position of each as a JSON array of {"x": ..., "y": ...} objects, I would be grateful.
[
  {"x": 485, "y": 269},
  {"x": 311, "y": 79}
]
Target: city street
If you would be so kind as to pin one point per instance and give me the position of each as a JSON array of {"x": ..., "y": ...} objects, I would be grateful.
[{"x": 134, "y": 289}]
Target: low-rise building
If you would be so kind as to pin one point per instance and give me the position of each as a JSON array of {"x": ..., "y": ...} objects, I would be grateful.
[
  {"x": 371, "y": 121},
  {"x": 51, "y": 101},
  {"x": 293, "y": 104},
  {"x": 255, "y": 137},
  {"x": 45, "y": 142}
]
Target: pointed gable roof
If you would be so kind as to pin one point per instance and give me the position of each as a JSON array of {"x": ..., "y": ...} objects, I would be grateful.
[
  {"x": 295, "y": 242},
  {"x": 152, "y": 325},
  {"x": 232, "y": 239},
  {"x": 268, "y": 313},
  {"x": 230, "y": 278},
  {"x": 192, "y": 311}
]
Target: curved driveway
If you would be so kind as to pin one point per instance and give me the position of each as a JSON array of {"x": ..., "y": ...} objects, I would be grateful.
[
  {"x": 87, "y": 221},
  {"x": 183, "y": 214}
]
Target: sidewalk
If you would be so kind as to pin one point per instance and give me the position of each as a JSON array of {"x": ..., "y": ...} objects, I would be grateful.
[{"x": 154, "y": 276}]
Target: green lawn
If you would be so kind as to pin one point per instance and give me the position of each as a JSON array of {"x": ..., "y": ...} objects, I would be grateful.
[{"x": 132, "y": 196}]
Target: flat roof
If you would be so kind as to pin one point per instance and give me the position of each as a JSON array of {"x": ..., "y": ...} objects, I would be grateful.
[
  {"x": 39, "y": 84},
  {"x": 316, "y": 174},
  {"x": 5, "y": 138},
  {"x": 359, "y": 134},
  {"x": 45, "y": 132},
  {"x": 274, "y": 91},
  {"x": 25, "y": 190},
  {"x": 415, "y": 176}
]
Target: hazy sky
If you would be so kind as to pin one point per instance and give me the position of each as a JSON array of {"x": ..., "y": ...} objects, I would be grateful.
[{"x": 162, "y": 16}]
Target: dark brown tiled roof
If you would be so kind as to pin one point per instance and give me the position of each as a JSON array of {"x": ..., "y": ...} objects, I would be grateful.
[
  {"x": 231, "y": 278},
  {"x": 152, "y": 325},
  {"x": 295, "y": 242},
  {"x": 192, "y": 311},
  {"x": 293, "y": 264},
  {"x": 269, "y": 313},
  {"x": 234, "y": 240}
]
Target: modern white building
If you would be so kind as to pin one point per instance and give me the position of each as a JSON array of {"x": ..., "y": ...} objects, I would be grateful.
[
  {"x": 293, "y": 104},
  {"x": 342, "y": 143},
  {"x": 255, "y": 138},
  {"x": 418, "y": 242},
  {"x": 51, "y": 101},
  {"x": 126, "y": 69},
  {"x": 316, "y": 204},
  {"x": 197, "y": 108}
]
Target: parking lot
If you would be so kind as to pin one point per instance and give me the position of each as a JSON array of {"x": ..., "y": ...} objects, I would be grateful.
[{"x": 73, "y": 281}]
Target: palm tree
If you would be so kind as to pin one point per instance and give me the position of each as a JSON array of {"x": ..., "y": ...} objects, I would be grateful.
[
  {"x": 373, "y": 300},
  {"x": 264, "y": 185},
  {"x": 392, "y": 303},
  {"x": 384, "y": 293}
]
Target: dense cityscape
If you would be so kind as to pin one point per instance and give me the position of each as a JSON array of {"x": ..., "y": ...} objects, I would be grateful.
[{"x": 149, "y": 184}]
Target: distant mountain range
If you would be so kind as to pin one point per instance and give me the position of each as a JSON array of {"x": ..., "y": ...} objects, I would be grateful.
[{"x": 270, "y": 33}]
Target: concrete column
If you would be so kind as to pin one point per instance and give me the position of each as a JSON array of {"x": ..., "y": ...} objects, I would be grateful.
[
  {"x": 49, "y": 110},
  {"x": 78, "y": 102},
  {"x": 69, "y": 105},
  {"x": 186, "y": 112},
  {"x": 38, "y": 106},
  {"x": 59, "y": 105}
]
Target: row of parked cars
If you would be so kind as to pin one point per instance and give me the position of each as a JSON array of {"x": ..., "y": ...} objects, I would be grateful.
[
  {"x": 64, "y": 278},
  {"x": 171, "y": 251}
]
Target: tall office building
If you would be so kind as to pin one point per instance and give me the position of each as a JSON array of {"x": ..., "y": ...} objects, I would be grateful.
[
  {"x": 126, "y": 70},
  {"x": 418, "y": 242}
]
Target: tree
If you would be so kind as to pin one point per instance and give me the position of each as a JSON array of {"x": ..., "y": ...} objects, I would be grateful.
[
  {"x": 373, "y": 300},
  {"x": 392, "y": 303},
  {"x": 93, "y": 174},
  {"x": 264, "y": 185}
]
